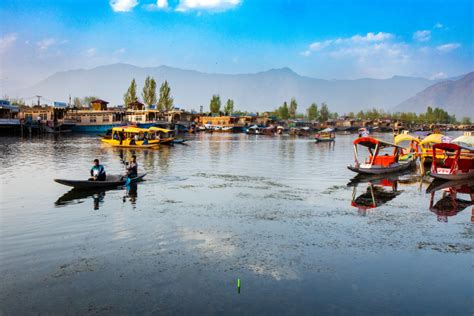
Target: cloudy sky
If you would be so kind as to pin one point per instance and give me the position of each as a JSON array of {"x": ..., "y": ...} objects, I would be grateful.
[{"x": 324, "y": 39}]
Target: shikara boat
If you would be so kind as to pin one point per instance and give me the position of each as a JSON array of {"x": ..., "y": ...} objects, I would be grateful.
[
  {"x": 161, "y": 135},
  {"x": 457, "y": 159},
  {"x": 326, "y": 135},
  {"x": 111, "y": 181},
  {"x": 426, "y": 145},
  {"x": 410, "y": 146},
  {"x": 130, "y": 137},
  {"x": 377, "y": 162}
]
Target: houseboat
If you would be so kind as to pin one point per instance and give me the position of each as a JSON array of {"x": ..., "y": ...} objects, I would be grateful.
[
  {"x": 379, "y": 162},
  {"x": 97, "y": 119},
  {"x": 9, "y": 117},
  {"x": 326, "y": 135}
]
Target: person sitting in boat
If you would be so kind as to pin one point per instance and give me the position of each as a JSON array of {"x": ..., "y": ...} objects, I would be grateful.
[
  {"x": 132, "y": 168},
  {"x": 97, "y": 172}
]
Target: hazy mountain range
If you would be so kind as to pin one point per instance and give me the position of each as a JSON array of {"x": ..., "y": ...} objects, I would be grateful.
[
  {"x": 455, "y": 96},
  {"x": 261, "y": 91}
]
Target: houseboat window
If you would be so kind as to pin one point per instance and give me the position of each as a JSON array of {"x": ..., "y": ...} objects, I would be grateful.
[
  {"x": 138, "y": 118},
  {"x": 92, "y": 119},
  {"x": 43, "y": 116},
  {"x": 105, "y": 119}
]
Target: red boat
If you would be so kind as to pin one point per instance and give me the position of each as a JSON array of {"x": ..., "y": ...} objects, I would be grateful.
[{"x": 457, "y": 162}]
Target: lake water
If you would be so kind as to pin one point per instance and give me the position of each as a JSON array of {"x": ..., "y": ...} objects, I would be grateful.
[{"x": 276, "y": 213}]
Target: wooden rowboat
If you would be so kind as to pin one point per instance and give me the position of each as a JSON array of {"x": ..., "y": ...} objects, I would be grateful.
[{"x": 111, "y": 181}]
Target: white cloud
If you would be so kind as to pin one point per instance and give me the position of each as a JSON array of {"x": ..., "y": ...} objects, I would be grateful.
[
  {"x": 372, "y": 37},
  {"x": 438, "y": 26},
  {"x": 123, "y": 5},
  {"x": 422, "y": 35},
  {"x": 7, "y": 41},
  {"x": 438, "y": 75},
  {"x": 90, "y": 52},
  {"x": 356, "y": 40},
  {"x": 215, "y": 5},
  {"x": 159, "y": 5},
  {"x": 46, "y": 43},
  {"x": 446, "y": 48}
]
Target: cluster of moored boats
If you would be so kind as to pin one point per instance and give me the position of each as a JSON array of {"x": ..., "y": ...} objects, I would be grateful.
[{"x": 449, "y": 159}]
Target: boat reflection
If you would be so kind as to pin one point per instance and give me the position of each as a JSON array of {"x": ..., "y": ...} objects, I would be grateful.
[
  {"x": 378, "y": 191},
  {"x": 450, "y": 204},
  {"x": 78, "y": 196}
]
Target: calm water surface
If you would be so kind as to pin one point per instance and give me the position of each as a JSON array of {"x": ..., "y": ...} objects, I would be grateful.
[{"x": 275, "y": 212}]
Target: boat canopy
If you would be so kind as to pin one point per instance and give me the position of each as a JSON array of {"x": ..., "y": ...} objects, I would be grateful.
[
  {"x": 466, "y": 140},
  {"x": 371, "y": 143},
  {"x": 159, "y": 129},
  {"x": 129, "y": 129},
  {"x": 327, "y": 130},
  {"x": 452, "y": 147},
  {"x": 405, "y": 137},
  {"x": 432, "y": 139}
]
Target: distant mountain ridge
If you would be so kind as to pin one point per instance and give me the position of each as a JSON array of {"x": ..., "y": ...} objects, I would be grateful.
[
  {"x": 260, "y": 91},
  {"x": 454, "y": 96}
]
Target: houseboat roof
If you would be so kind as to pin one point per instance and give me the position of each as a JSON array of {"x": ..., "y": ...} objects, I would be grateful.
[
  {"x": 61, "y": 105},
  {"x": 9, "y": 107},
  {"x": 99, "y": 101},
  {"x": 371, "y": 143},
  {"x": 452, "y": 147}
]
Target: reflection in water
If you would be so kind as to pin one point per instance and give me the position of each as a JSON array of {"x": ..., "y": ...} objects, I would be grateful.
[
  {"x": 378, "y": 191},
  {"x": 78, "y": 196},
  {"x": 449, "y": 204},
  {"x": 131, "y": 193}
]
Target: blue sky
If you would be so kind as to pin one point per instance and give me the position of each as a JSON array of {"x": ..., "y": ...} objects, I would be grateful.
[{"x": 323, "y": 39}]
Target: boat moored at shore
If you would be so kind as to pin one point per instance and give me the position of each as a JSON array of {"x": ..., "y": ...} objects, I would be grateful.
[{"x": 378, "y": 163}]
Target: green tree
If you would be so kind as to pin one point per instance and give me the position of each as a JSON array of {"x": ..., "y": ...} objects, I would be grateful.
[
  {"x": 229, "y": 107},
  {"x": 293, "y": 107},
  {"x": 149, "y": 91},
  {"x": 324, "y": 112},
  {"x": 283, "y": 112},
  {"x": 165, "y": 103},
  {"x": 313, "y": 112},
  {"x": 215, "y": 104},
  {"x": 466, "y": 121},
  {"x": 131, "y": 94}
]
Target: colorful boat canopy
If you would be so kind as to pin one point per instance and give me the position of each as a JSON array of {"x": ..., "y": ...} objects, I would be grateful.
[
  {"x": 130, "y": 129},
  {"x": 405, "y": 137},
  {"x": 465, "y": 140},
  {"x": 159, "y": 129},
  {"x": 432, "y": 139},
  {"x": 371, "y": 143}
]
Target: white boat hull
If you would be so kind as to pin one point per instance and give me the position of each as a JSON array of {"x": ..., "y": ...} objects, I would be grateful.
[{"x": 381, "y": 170}]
